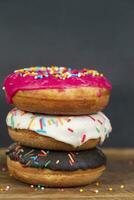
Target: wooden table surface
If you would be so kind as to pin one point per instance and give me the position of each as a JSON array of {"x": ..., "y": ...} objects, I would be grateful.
[{"x": 116, "y": 183}]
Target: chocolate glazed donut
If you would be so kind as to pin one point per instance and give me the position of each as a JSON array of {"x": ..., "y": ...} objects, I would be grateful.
[{"x": 36, "y": 166}]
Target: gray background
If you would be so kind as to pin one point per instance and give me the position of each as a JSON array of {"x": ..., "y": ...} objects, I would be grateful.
[{"x": 73, "y": 33}]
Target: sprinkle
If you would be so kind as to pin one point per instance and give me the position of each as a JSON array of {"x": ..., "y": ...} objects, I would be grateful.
[
  {"x": 97, "y": 130},
  {"x": 40, "y": 76},
  {"x": 71, "y": 158},
  {"x": 42, "y": 188},
  {"x": 28, "y": 153},
  {"x": 71, "y": 130},
  {"x": 57, "y": 161},
  {"x": 79, "y": 74},
  {"x": 7, "y": 187},
  {"x": 12, "y": 121},
  {"x": 17, "y": 148},
  {"x": 96, "y": 191},
  {"x": 74, "y": 75},
  {"x": 97, "y": 183},
  {"x": 59, "y": 119},
  {"x": 53, "y": 121},
  {"x": 81, "y": 190},
  {"x": 34, "y": 157},
  {"x": 41, "y": 125},
  {"x": 3, "y": 88},
  {"x": 47, "y": 163},
  {"x": 91, "y": 117},
  {"x": 18, "y": 151},
  {"x": 83, "y": 137},
  {"x": 39, "y": 72},
  {"x": 94, "y": 73},
  {"x": 14, "y": 111},
  {"x": 70, "y": 162},
  {"x": 122, "y": 186},
  {"x": 28, "y": 163},
  {"x": 32, "y": 186},
  {"x": 49, "y": 122},
  {"x": 43, "y": 121},
  {"x": 41, "y": 131},
  {"x": 43, "y": 153},
  {"x": 72, "y": 154},
  {"x": 68, "y": 120},
  {"x": 47, "y": 151},
  {"x": 99, "y": 121},
  {"x": 110, "y": 189},
  {"x": 32, "y": 119}
]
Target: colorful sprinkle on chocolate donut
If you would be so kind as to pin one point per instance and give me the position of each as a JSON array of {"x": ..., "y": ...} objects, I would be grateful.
[{"x": 56, "y": 160}]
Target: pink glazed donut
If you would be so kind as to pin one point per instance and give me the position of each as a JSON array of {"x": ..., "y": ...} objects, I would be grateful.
[{"x": 57, "y": 90}]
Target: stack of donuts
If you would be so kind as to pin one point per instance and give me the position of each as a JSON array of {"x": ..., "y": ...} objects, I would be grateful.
[{"x": 57, "y": 125}]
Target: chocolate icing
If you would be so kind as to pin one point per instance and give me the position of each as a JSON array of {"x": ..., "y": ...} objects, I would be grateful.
[{"x": 56, "y": 160}]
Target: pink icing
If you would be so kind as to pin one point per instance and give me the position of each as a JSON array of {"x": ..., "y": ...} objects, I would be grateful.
[{"x": 16, "y": 82}]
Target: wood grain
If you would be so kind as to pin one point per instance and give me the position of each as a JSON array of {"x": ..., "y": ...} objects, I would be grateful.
[{"x": 120, "y": 171}]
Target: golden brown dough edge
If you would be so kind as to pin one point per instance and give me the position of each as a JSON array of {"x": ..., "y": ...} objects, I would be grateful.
[
  {"x": 32, "y": 139},
  {"x": 51, "y": 178},
  {"x": 71, "y": 101}
]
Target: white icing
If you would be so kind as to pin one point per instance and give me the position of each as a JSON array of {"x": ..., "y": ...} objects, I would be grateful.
[{"x": 73, "y": 130}]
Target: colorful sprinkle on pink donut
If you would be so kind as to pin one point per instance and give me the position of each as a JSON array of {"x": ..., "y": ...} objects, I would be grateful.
[{"x": 54, "y": 77}]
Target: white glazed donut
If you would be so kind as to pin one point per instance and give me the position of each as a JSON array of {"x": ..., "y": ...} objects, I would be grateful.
[{"x": 72, "y": 130}]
